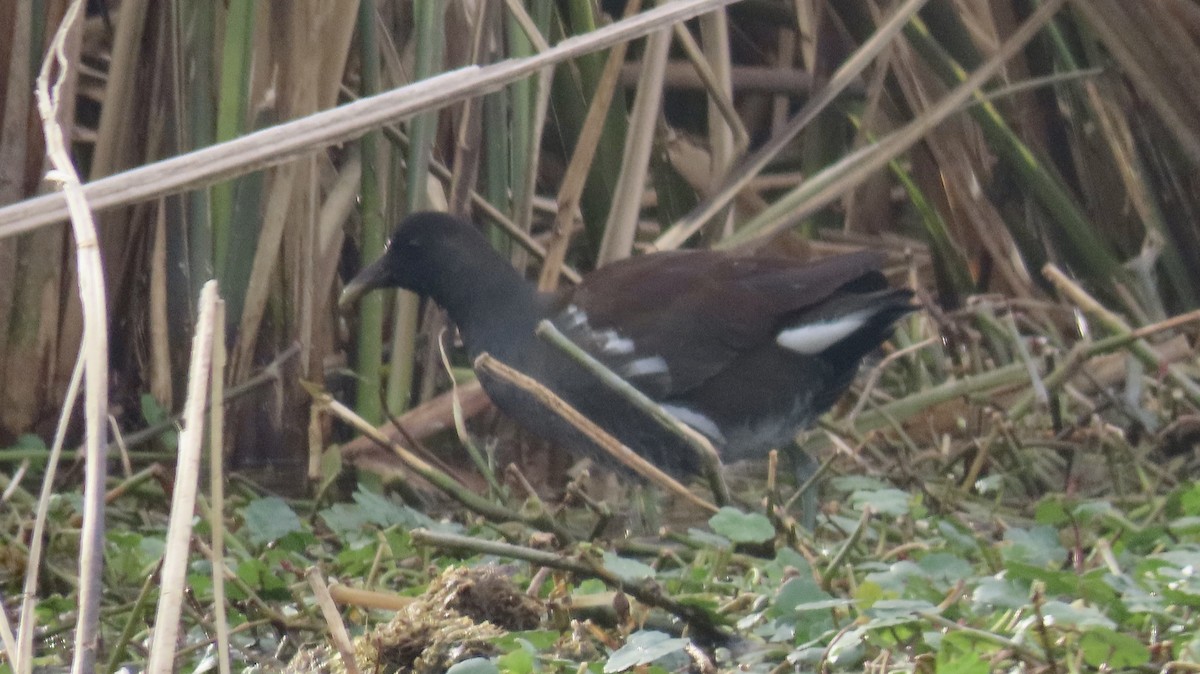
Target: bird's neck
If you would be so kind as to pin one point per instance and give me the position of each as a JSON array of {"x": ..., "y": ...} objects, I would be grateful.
[{"x": 493, "y": 306}]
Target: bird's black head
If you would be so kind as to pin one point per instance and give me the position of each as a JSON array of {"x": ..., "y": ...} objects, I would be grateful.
[{"x": 423, "y": 246}]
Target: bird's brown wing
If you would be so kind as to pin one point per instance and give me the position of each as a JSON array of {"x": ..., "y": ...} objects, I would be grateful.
[{"x": 670, "y": 321}]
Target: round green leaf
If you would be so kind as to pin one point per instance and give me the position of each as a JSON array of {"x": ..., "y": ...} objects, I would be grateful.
[
  {"x": 643, "y": 648},
  {"x": 741, "y": 527},
  {"x": 1113, "y": 649}
]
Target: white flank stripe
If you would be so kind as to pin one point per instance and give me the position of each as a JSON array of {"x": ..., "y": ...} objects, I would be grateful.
[
  {"x": 614, "y": 343},
  {"x": 644, "y": 366},
  {"x": 695, "y": 420},
  {"x": 813, "y": 338},
  {"x": 576, "y": 316}
]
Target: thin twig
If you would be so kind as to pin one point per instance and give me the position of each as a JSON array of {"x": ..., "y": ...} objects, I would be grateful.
[
  {"x": 24, "y": 651},
  {"x": 646, "y": 591},
  {"x": 7, "y": 638},
  {"x": 702, "y": 449},
  {"x": 447, "y": 484}
]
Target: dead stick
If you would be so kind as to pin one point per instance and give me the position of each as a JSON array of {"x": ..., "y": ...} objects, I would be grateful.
[{"x": 487, "y": 366}]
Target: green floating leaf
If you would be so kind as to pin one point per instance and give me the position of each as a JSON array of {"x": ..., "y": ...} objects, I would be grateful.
[
  {"x": 533, "y": 641},
  {"x": 961, "y": 663},
  {"x": 269, "y": 519},
  {"x": 643, "y": 648},
  {"x": 867, "y": 593},
  {"x": 741, "y": 527},
  {"x": 851, "y": 483},
  {"x": 30, "y": 441},
  {"x": 386, "y": 513},
  {"x": 885, "y": 501},
  {"x": 1000, "y": 593},
  {"x": 959, "y": 538},
  {"x": 260, "y": 576},
  {"x": 1061, "y": 613},
  {"x": 945, "y": 567},
  {"x": 519, "y": 661},
  {"x": 629, "y": 570},
  {"x": 474, "y": 666},
  {"x": 1052, "y": 512},
  {"x": 1089, "y": 511},
  {"x": 709, "y": 539},
  {"x": 1038, "y": 546},
  {"x": 1113, "y": 650},
  {"x": 590, "y": 586},
  {"x": 796, "y": 592},
  {"x": 1182, "y": 527},
  {"x": 959, "y": 653},
  {"x": 1189, "y": 500},
  {"x": 902, "y": 609},
  {"x": 345, "y": 520},
  {"x": 847, "y": 649},
  {"x": 152, "y": 412},
  {"x": 902, "y": 578}
]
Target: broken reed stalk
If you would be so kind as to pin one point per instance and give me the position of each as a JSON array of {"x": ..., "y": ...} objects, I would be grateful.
[
  {"x": 94, "y": 304},
  {"x": 706, "y": 455},
  {"x": 488, "y": 367},
  {"x": 216, "y": 486},
  {"x": 187, "y": 478},
  {"x": 362, "y": 598},
  {"x": 329, "y": 610}
]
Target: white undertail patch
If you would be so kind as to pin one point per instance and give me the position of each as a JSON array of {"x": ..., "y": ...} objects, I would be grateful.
[
  {"x": 813, "y": 338},
  {"x": 650, "y": 365}
]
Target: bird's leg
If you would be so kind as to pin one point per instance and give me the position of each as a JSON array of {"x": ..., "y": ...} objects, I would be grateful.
[{"x": 804, "y": 468}]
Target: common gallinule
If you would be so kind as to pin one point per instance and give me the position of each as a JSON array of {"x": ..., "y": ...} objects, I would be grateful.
[{"x": 744, "y": 349}]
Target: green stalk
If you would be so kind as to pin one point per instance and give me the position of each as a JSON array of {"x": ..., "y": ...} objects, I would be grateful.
[
  {"x": 200, "y": 20},
  {"x": 370, "y": 316},
  {"x": 429, "y": 33},
  {"x": 231, "y": 115},
  {"x": 949, "y": 263},
  {"x": 573, "y": 87},
  {"x": 1091, "y": 255},
  {"x": 1139, "y": 188},
  {"x": 497, "y": 177}
]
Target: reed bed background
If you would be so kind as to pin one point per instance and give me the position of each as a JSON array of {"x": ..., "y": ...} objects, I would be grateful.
[{"x": 1030, "y": 165}]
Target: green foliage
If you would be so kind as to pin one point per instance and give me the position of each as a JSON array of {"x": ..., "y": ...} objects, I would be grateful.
[
  {"x": 921, "y": 593},
  {"x": 741, "y": 527},
  {"x": 644, "y": 648},
  {"x": 269, "y": 519}
]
